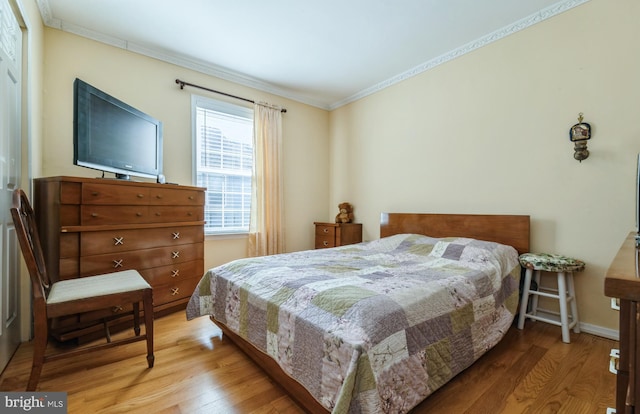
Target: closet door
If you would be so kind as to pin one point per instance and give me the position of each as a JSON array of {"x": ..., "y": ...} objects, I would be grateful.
[{"x": 10, "y": 142}]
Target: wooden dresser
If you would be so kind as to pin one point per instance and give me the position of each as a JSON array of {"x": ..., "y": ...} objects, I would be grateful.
[
  {"x": 91, "y": 226},
  {"x": 622, "y": 281},
  {"x": 337, "y": 234}
]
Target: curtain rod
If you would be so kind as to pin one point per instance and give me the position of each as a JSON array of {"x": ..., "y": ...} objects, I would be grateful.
[{"x": 183, "y": 84}]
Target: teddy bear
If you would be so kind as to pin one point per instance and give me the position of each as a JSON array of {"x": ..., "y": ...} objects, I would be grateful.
[{"x": 346, "y": 213}]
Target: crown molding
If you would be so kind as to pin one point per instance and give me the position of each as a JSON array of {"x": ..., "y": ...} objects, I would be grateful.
[
  {"x": 235, "y": 77},
  {"x": 173, "y": 58},
  {"x": 521, "y": 24}
]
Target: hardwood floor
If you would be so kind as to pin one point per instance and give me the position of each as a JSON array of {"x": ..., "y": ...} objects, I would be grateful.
[{"x": 529, "y": 371}]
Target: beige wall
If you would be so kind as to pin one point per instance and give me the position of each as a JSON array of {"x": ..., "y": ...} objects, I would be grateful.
[
  {"x": 488, "y": 133},
  {"x": 149, "y": 85},
  {"x": 484, "y": 133}
]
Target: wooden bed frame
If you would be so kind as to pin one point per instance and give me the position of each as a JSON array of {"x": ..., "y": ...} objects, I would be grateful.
[
  {"x": 512, "y": 230},
  {"x": 506, "y": 229}
]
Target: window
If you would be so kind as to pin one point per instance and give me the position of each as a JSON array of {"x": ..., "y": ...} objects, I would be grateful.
[{"x": 223, "y": 142}]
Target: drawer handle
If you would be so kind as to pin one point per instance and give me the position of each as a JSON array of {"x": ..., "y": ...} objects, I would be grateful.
[
  {"x": 158, "y": 213},
  {"x": 175, "y": 272},
  {"x": 174, "y": 291},
  {"x": 158, "y": 195},
  {"x": 325, "y": 230},
  {"x": 139, "y": 214},
  {"x": 191, "y": 197},
  {"x": 176, "y": 235},
  {"x": 116, "y": 309},
  {"x": 118, "y": 241},
  {"x": 614, "y": 356},
  {"x": 140, "y": 195},
  {"x": 325, "y": 243},
  {"x": 175, "y": 255},
  {"x": 94, "y": 214},
  {"x": 95, "y": 193},
  {"x": 189, "y": 214},
  {"x": 118, "y": 263}
]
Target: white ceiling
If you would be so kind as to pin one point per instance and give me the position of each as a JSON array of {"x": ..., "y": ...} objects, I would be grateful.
[{"x": 325, "y": 53}]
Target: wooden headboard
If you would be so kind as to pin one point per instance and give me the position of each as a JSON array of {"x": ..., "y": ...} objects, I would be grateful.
[{"x": 512, "y": 230}]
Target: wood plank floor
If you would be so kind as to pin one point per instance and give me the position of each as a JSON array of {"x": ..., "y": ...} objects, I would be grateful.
[{"x": 529, "y": 371}]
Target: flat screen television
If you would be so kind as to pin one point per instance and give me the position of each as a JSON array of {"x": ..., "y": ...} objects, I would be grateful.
[{"x": 110, "y": 135}]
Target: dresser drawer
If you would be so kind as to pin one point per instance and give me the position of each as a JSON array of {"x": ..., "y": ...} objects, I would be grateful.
[
  {"x": 96, "y": 193},
  {"x": 69, "y": 268},
  {"x": 140, "y": 259},
  {"x": 69, "y": 245},
  {"x": 176, "y": 197},
  {"x": 69, "y": 215},
  {"x": 172, "y": 273},
  {"x": 102, "y": 215},
  {"x": 179, "y": 289},
  {"x": 106, "y": 215},
  {"x": 175, "y": 213},
  {"x": 70, "y": 193},
  {"x": 109, "y": 241}
]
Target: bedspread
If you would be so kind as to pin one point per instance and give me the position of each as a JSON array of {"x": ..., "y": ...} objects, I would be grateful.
[{"x": 372, "y": 327}]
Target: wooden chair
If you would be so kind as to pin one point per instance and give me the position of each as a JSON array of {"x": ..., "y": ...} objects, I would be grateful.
[{"x": 74, "y": 296}]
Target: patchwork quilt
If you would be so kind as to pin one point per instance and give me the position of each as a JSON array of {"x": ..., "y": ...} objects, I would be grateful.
[{"x": 373, "y": 327}]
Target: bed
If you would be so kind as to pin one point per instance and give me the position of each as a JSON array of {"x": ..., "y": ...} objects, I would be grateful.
[{"x": 376, "y": 326}]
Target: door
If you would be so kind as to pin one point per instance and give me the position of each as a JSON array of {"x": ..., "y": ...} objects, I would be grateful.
[{"x": 10, "y": 143}]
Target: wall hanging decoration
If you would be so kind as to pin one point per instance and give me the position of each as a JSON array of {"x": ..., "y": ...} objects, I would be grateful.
[{"x": 579, "y": 134}]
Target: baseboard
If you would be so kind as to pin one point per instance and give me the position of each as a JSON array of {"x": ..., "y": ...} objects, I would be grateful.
[
  {"x": 600, "y": 331},
  {"x": 596, "y": 330}
]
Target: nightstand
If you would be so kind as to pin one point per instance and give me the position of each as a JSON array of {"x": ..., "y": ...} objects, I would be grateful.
[{"x": 337, "y": 234}]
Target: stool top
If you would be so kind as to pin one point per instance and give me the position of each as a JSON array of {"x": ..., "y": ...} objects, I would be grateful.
[{"x": 551, "y": 262}]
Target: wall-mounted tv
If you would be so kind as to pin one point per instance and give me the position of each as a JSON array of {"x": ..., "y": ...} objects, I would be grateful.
[{"x": 110, "y": 135}]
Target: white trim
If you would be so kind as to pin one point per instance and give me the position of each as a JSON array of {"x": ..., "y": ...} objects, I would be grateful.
[
  {"x": 600, "y": 331},
  {"x": 225, "y": 108},
  {"x": 236, "y": 77}
]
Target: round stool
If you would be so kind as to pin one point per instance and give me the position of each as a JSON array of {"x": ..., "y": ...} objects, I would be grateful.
[{"x": 566, "y": 294}]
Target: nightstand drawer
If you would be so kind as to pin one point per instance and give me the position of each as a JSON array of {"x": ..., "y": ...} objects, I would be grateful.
[
  {"x": 323, "y": 230},
  {"x": 325, "y": 241},
  {"x": 337, "y": 234}
]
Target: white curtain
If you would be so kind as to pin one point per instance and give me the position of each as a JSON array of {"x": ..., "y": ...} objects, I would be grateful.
[{"x": 266, "y": 235}]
